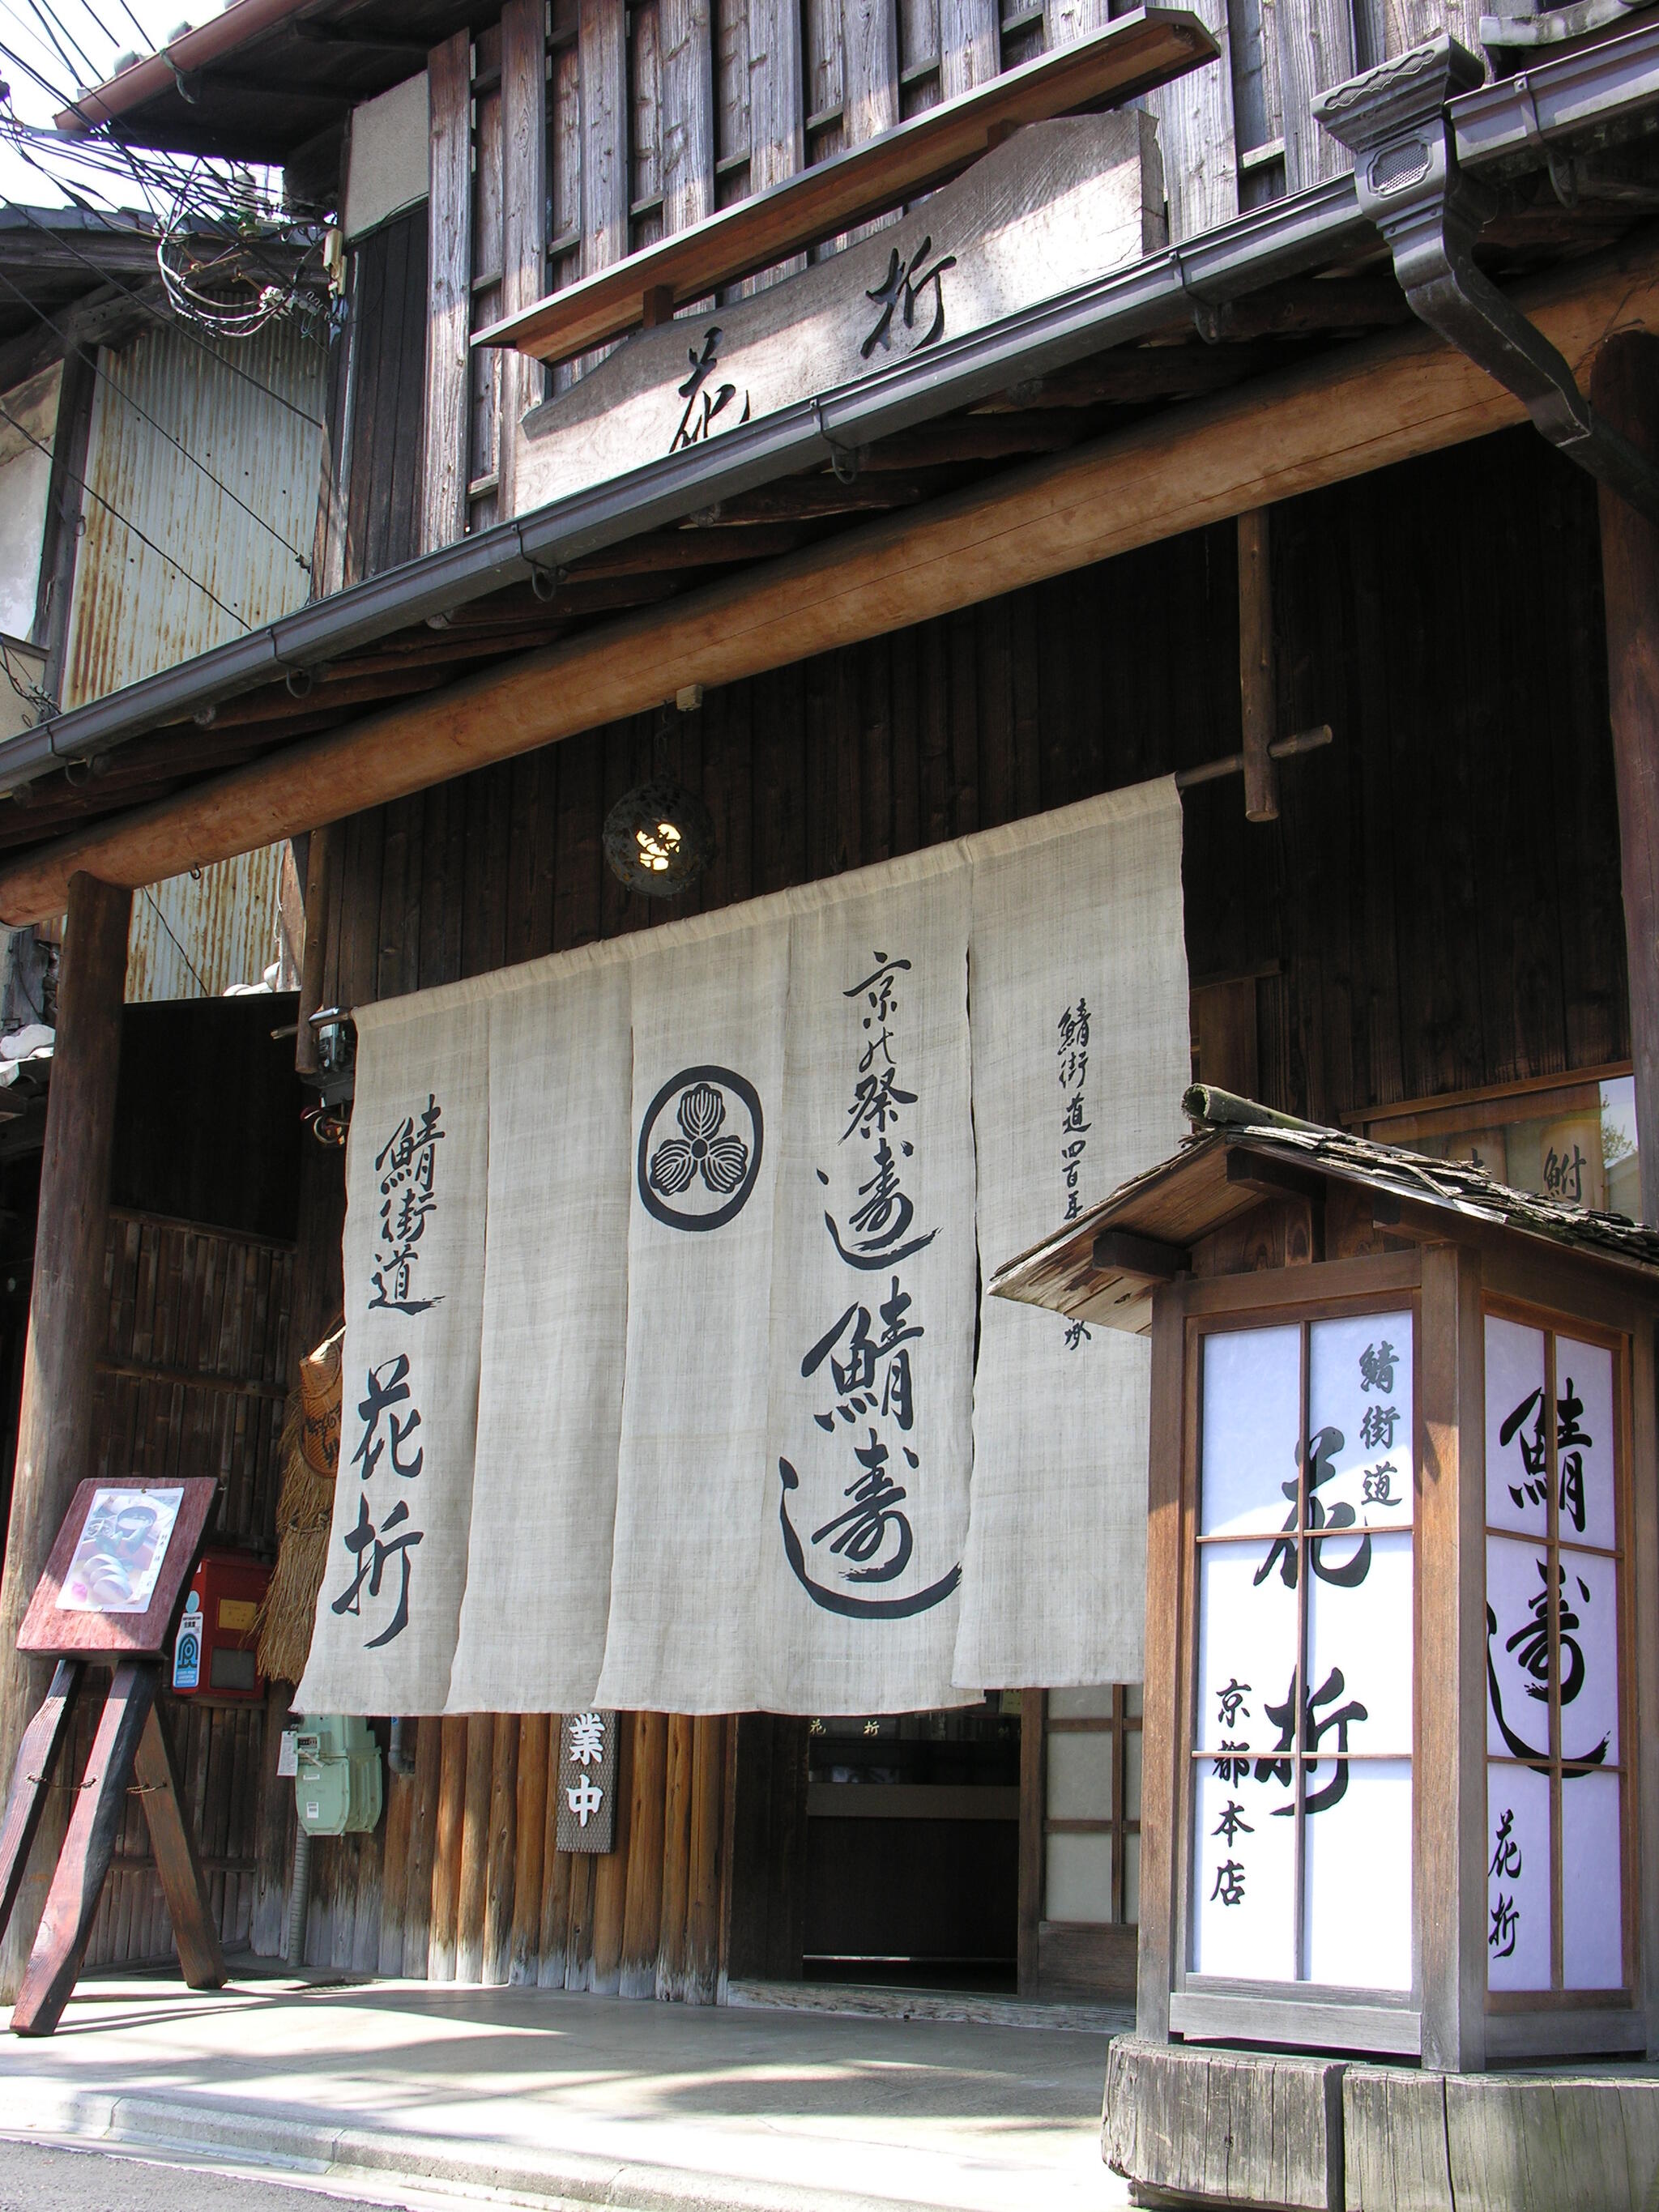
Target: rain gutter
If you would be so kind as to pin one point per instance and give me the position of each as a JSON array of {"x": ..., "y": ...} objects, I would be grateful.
[
  {"x": 1289, "y": 237},
  {"x": 1600, "y": 87},
  {"x": 1398, "y": 119},
  {"x": 174, "y": 65}
]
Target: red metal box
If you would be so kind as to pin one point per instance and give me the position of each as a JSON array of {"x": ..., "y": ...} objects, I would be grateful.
[{"x": 213, "y": 1652}]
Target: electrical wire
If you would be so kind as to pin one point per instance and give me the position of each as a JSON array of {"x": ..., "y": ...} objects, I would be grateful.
[
  {"x": 26, "y": 688},
  {"x": 166, "y": 321},
  {"x": 45, "y": 22},
  {"x": 183, "y": 955},
  {"x": 161, "y": 429},
  {"x": 126, "y": 521},
  {"x": 101, "y": 24}
]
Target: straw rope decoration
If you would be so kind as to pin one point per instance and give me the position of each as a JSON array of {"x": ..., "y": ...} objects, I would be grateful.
[{"x": 304, "y": 1511}]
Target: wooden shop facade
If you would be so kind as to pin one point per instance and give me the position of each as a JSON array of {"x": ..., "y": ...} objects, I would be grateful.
[{"x": 1213, "y": 464}]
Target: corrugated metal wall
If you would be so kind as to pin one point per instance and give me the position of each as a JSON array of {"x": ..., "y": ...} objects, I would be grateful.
[
  {"x": 194, "y": 937},
  {"x": 218, "y": 571},
  {"x": 248, "y": 417}
]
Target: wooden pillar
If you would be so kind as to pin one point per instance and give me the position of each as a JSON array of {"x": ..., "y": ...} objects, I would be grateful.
[
  {"x": 1257, "y": 703},
  {"x": 66, "y": 1325},
  {"x": 1625, "y": 390},
  {"x": 449, "y": 287}
]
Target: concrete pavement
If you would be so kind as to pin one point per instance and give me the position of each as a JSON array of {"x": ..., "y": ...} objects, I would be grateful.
[{"x": 556, "y": 2098}]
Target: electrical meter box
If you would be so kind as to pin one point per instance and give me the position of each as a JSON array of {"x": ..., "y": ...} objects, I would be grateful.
[
  {"x": 213, "y": 1652},
  {"x": 337, "y": 1775}
]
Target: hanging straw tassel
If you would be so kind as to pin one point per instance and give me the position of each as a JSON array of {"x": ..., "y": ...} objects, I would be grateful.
[{"x": 304, "y": 1511}]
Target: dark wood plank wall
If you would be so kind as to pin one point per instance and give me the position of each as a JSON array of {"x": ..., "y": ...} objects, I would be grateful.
[
  {"x": 1438, "y": 907},
  {"x": 368, "y": 516},
  {"x": 192, "y": 1380}
]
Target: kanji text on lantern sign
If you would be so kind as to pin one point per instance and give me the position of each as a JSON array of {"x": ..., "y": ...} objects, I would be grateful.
[
  {"x": 1305, "y": 1719},
  {"x": 389, "y": 1451},
  {"x": 1555, "y": 1779},
  {"x": 866, "y": 1356}
]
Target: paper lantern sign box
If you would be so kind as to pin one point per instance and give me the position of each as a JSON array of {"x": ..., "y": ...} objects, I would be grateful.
[
  {"x": 118, "y": 1570},
  {"x": 213, "y": 1652}
]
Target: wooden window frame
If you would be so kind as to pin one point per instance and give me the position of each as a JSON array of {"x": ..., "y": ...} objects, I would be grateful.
[
  {"x": 1119, "y": 1725},
  {"x": 1313, "y": 2014},
  {"x": 1554, "y": 1323}
]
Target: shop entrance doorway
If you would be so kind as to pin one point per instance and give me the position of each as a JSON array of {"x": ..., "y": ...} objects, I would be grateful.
[{"x": 912, "y": 1861}]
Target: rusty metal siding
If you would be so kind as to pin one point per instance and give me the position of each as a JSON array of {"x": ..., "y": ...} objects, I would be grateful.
[
  {"x": 139, "y": 608},
  {"x": 196, "y": 937}
]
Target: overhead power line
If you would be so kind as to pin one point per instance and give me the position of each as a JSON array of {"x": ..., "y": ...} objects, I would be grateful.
[
  {"x": 160, "y": 428},
  {"x": 126, "y": 520},
  {"x": 158, "y": 315}
]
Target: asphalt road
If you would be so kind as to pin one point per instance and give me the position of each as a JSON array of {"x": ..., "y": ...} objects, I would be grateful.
[{"x": 37, "y": 2179}]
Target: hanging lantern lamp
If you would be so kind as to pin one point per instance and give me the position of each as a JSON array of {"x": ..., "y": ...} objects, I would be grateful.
[{"x": 659, "y": 837}]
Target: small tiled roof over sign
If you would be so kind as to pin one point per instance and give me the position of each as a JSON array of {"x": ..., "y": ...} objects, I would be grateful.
[{"x": 1105, "y": 1266}]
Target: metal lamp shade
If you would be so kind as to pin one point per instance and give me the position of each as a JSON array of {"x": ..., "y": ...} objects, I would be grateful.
[{"x": 660, "y": 838}]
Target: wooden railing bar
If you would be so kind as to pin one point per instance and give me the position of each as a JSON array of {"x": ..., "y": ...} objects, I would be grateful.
[{"x": 1135, "y": 54}]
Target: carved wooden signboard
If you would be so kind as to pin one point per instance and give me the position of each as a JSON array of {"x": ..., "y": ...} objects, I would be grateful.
[
  {"x": 1060, "y": 203},
  {"x": 110, "y": 1591}
]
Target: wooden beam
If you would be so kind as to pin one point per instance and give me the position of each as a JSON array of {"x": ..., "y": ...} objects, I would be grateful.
[
  {"x": 1120, "y": 1252},
  {"x": 449, "y": 290},
  {"x": 67, "y": 1317},
  {"x": 1625, "y": 389},
  {"x": 1127, "y": 57},
  {"x": 1352, "y": 412},
  {"x": 1255, "y": 667}
]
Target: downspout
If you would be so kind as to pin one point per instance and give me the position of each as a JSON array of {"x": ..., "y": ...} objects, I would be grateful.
[{"x": 1393, "y": 119}]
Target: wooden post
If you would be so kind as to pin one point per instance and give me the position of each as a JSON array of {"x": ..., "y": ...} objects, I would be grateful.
[
  {"x": 1255, "y": 667},
  {"x": 319, "y": 885},
  {"x": 178, "y": 1868},
  {"x": 1625, "y": 390},
  {"x": 66, "y": 1326},
  {"x": 475, "y": 1848},
  {"x": 30, "y": 1780},
  {"x": 503, "y": 1849},
  {"x": 524, "y": 219},
  {"x": 530, "y": 1846},
  {"x": 449, "y": 287},
  {"x": 1451, "y": 1768},
  {"x": 1033, "y": 1793},
  {"x": 89, "y": 1846}
]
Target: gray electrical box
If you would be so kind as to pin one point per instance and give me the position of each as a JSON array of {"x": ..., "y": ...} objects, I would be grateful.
[{"x": 337, "y": 1775}]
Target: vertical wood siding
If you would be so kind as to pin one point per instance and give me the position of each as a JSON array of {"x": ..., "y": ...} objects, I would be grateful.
[
  {"x": 192, "y": 1381},
  {"x": 1428, "y": 925},
  {"x": 1422, "y": 917}
]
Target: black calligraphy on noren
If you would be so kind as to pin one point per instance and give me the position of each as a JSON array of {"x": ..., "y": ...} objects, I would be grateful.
[
  {"x": 407, "y": 1166},
  {"x": 1071, "y": 1052},
  {"x": 868, "y": 1355},
  {"x": 390, "y": 1440}
]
